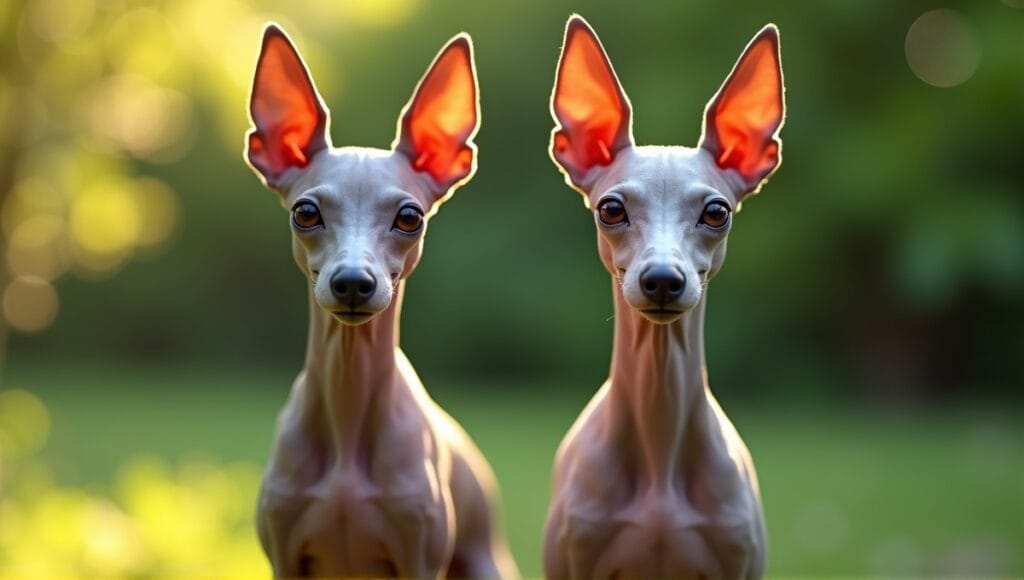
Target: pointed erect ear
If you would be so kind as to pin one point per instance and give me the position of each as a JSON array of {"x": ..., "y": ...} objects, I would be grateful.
[
  {"x": 436, "y": 128},
  {"x": 742, "y": 121},
  {"x": 592, "y": 113},
  {"x": 288, "y": 116}
]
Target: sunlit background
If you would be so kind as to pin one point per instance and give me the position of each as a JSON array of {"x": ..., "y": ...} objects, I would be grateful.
[{"x": 866, "y": 334}]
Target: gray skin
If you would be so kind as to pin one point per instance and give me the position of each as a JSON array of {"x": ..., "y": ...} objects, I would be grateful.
[
  {"x": 368, "y": 476},
  {"x": 653, "y": 480}
]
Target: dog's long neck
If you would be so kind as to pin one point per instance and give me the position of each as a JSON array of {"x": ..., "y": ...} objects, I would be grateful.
[
  {"x": 351, "y": 375},
  {"x": 658, "y": 394}
]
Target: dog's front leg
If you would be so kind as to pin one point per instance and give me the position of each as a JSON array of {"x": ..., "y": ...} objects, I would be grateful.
[
  {"x": 425, "y": 538},
  {"x": 276, "y": 521}
]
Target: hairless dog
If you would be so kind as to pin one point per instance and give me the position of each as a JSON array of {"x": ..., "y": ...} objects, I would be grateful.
[
  {"x": 653, "y": 480},
  {"x": 368, "y": 476}
]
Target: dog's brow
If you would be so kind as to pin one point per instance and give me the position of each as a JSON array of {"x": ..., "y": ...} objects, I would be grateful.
[
  {"x": 701, "y": 191},
  {"x": 395, "y": 196},
  {"x": 315, "y": 193},
  {"x": 711, "y": 194},
  {"x": 625, "y": 188}
]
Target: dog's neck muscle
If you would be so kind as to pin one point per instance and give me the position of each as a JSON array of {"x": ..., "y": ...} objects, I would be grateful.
[
  {"x": 351, "y": 374},
  {"x": 658, "y": 395}
]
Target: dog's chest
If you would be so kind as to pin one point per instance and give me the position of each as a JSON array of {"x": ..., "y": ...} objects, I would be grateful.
[
  {"x": 352, "y": 525},
  {"x": 659, "y": 534},
  {"x": 624, "y": 526}
]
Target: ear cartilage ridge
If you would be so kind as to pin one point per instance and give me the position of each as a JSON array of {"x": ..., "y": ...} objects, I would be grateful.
[{"x": 606, "y": 155}]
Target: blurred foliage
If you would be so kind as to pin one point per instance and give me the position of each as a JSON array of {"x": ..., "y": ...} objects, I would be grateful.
[{"x": 195, "y": 520}]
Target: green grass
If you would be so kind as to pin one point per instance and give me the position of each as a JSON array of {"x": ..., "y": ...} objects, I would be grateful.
[{"x": 846, "y": 492}]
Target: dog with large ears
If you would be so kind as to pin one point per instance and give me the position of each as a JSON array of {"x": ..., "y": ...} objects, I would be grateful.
[
  {"x": 653, "y": 480},
  {"x": 368, "y": 476}
]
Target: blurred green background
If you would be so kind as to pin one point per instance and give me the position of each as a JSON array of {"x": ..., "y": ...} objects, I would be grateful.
[{"x": 866, "y": 334}]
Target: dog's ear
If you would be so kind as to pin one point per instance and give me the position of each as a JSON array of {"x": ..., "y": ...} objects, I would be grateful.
[
  {"x": 436, "y": 128},
  {"x": 742, "y": 120},
  {"x": 592, "y": 113},
  {"x": 288, "y": 116}
]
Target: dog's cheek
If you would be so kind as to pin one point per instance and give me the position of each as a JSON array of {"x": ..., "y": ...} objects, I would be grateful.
[
  {"x": 410, "y": 259},
  {"x": 611, "y": 250},
  {"x": 717, "y": 259},
  {"x": 382, "y": 299},
  {"x": 631, "y": 291},
  {"x": 301, "y": 256},
  {"x": 322, "y": 292},
  {"x": 693, "y": 289}
]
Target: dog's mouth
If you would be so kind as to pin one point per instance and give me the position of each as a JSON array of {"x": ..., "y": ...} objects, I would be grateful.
[
  {"x": 662, "y": 315},
  {"x": 352, "y": 317}
]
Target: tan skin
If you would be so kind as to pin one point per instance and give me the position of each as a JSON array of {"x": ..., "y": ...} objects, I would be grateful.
[
  {"x": 368, "y": 476},
  {"x": 653, "y": 480}
]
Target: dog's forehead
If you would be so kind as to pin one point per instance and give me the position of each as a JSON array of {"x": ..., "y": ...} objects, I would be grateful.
[
  {"x": 675, "y": 171},
  {"x": 662, "y": 174},
  {"x": 356, "y": 172}
]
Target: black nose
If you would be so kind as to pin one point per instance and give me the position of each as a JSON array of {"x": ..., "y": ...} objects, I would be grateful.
[
  {"x": 353, "y": 287},
  {"x": 662, "y": 284}
]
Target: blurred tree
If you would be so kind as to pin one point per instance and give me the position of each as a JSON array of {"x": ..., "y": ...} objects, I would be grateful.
[{"x": 77, "y": 115}]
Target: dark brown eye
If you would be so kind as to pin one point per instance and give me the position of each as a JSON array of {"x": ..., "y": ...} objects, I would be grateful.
[
  {"x": 611, "y": 212},
  {"x": 408, "y": 220},
  {"x": 716, "y": 215},
  {"x": 306, "y": 216}
]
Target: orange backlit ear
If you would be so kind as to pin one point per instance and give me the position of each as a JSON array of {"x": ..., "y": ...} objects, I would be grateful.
[
  {"x": 436, "y": 128},
  {"x": 592, "y": 112},
  {"x": 742, "y": 121},
  {"x": 289, "y": 118}
]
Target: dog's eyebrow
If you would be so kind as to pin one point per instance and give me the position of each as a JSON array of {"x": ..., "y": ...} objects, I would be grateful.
[
  {"x": 703, "y": 191},
  {"x": 624, "y": 188},
  {"x": 314, "y": 193},
  {"x": 396, "y": 196}
]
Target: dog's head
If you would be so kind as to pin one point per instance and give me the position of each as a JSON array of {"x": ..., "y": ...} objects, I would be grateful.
[
  {"x": 358, "y": 215},
  {"x": 663, "y": 213}
]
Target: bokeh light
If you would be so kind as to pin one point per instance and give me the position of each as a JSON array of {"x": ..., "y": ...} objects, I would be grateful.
[
  {"x": 142, "y": 118},
  {"x": 98, "y": 88},
  {"x": 158, "y": 208},
  {"x": 141, "y": 42},
  {"x": 161, "y": 522},
  {"x": 36, "y": 248},
  {"x": 105, "y": 219},
  {"x": 942, "y": 48},
  {"x": 110, "y": 539},
  {"x": 58, "y": 21},
  {"x": 26, "y": 115},
  {"x": 189, "y": 521},
  {"x": 373, "y": 14},
  {"x": 24, "y": 423},
  {"x": 29, "y": 198},
  {"x": 29, "y": 304}
]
